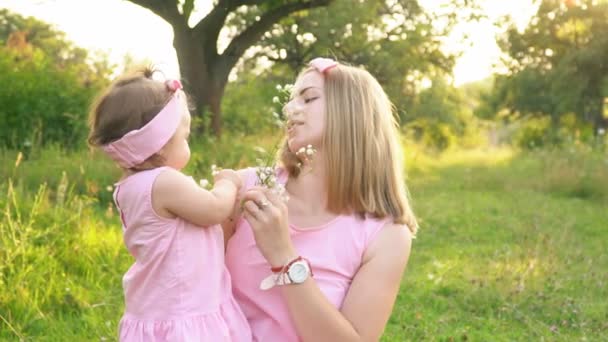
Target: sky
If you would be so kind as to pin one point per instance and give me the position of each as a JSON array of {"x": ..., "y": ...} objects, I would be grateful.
[{"x": 118, "y": 27}]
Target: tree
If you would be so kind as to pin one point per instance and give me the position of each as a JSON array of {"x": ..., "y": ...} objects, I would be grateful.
[
  {"x": 397, "y": 41},
  {"x": 24, "y": 33},
  {"x": 204, "y": 68},
  {"x": 47, "y": 84},
  {"x": 558, "y": 63}
]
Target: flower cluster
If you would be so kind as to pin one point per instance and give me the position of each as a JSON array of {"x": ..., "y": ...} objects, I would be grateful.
[
  {"x": 267, "y": 177},
  {"x": 266, "y": 171},
  {"x": 278, "y": 103},
  {"x": 306, "y": 154}
]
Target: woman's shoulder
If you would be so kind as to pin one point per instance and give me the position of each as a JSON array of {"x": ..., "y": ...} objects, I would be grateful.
[
  {"x": 368, "y": 227},
  {"x": 393, "y": 239}
]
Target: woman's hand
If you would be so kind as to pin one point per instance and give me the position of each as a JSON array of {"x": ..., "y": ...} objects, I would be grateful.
[{"x": 267, "y": 215}]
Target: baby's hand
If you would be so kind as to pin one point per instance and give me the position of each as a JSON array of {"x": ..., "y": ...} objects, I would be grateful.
[{"x": 231, "y": 175}]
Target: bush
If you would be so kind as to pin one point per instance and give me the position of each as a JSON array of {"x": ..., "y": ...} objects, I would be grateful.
[
  {"x": 41, "y": 103},
  {"x": 248, "y": 105},
  {"x": 533, "y": 133},
  {"x": 431, "y": 134}
]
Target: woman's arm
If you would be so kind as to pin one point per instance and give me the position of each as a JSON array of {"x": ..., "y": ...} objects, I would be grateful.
[
  {"x": 370, "y": 299},
  {"x": 229, "y": 225}
]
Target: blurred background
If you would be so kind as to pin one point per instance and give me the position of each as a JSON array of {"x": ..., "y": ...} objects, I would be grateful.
[{"x": 503, "y": 110}]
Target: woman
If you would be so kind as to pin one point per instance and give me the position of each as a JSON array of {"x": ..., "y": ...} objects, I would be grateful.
[{"x": 326, "y": 265}]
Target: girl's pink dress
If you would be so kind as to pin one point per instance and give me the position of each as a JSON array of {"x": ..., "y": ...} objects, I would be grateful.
[
  {"x": 178, "y": 289},
  {"x": 335, "y": 251}
]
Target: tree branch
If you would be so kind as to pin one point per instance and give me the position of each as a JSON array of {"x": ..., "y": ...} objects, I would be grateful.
[
  {"x": 210, "y": 26},
  {"x": 215, "y": 19},
  {"x": 165, "y": 9},
  {"x": 250, "y": 35}
]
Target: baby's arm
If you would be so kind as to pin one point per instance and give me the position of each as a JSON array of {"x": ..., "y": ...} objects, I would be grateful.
[{"x": 176, "y": 194}]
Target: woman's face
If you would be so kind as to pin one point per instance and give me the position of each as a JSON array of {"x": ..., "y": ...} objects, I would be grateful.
[{"x": 306, "y": 112}]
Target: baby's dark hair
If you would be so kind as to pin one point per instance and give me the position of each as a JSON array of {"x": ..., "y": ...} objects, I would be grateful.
[{"x": 129, "y": 103}]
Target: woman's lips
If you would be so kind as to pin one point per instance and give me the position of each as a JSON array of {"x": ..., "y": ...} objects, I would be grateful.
[{"x": 292, "y": 125}]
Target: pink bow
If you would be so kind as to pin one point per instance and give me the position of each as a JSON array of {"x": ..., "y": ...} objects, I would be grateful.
[
  {"x": 173, "y": 85},
  {"x": 323, "y": 64},
  {"x": 138, "y": 145}
]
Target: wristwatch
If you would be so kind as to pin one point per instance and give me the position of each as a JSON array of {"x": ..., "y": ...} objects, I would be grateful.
[
  {"x": 294, "y": 272},
  {"x": 298, "y": 271}
]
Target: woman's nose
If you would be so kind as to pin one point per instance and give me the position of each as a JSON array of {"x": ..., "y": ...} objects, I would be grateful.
[{"x": 291, "y": 109}]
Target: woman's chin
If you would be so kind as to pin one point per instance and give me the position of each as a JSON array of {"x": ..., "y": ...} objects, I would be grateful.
[{"x": 294, "y": 144}]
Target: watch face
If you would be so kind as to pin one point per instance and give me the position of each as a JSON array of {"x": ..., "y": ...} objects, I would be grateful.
[{"x": 298, "y": 272}]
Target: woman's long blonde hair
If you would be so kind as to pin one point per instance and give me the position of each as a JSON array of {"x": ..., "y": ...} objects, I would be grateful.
[{"x": 363, "y": 155}]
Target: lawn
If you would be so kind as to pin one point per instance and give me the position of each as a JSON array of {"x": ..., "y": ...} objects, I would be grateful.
[{"x": 511, "y": 245}]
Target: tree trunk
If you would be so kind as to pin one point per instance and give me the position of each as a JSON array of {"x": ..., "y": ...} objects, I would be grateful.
[
  {"x": 203, "y": 70},
  {"x": 204, "y": 79}
]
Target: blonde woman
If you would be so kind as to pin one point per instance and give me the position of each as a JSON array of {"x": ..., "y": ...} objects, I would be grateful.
[{"x": 326, "y": 264}]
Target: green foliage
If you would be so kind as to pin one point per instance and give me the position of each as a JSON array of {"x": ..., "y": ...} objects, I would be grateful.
[
  {"x": 441, "y": 117},
  {"x": 430, "y": 133},
  {"x": 248, "y": 107},
  {"x": 397, "y": 41},
  {"x": 557, "y": 64},
  {"x": 47, "y": 87},
  {"x": 40, "y": 103},
  {"x": 534, "y": 133}
]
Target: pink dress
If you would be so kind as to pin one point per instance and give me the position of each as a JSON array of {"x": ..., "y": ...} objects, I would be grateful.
[
  {"x": 178, "y": 289},
  {"x": 334, "y": 249}
]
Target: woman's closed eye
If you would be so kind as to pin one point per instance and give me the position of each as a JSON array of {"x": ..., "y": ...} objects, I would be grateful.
[{"x": 310, "y": 99}]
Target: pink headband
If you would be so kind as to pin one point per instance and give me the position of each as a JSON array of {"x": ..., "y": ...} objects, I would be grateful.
[
  {"x": 138, "y": 145},
  {"x": 323, "y": 64}
]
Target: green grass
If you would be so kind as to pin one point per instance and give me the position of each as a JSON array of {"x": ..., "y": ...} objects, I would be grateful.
[{"x": 511, "y": 245}]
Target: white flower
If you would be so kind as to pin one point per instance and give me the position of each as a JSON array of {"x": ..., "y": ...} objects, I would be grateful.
[
  {"x": 601, "y": 131},
  {"x": 215, "y": 170},
  {"x": 276, "y": 99},
  {"x": 307, "y": 151},
  {"x": 279, "y": 189},
  {"x": 203, "y": 183}
]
